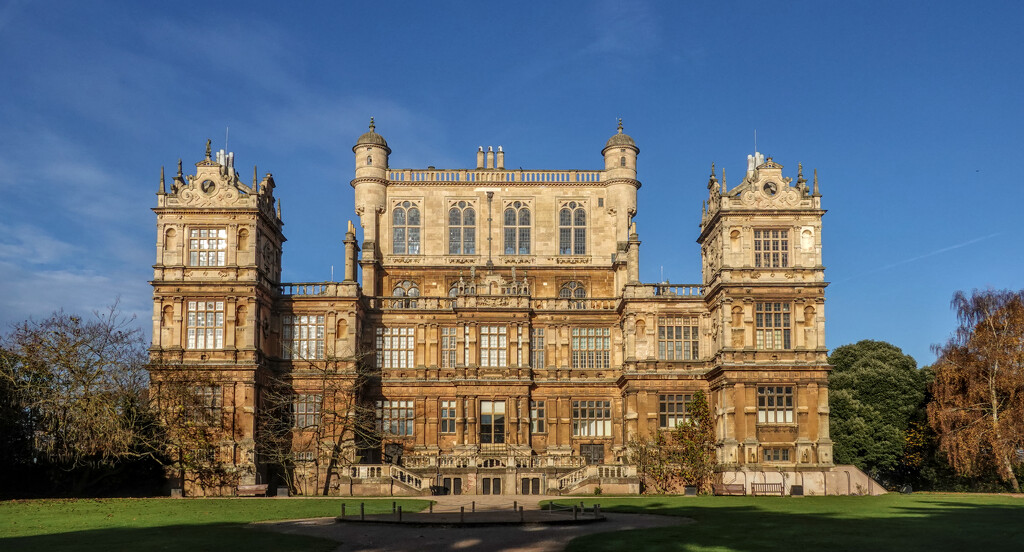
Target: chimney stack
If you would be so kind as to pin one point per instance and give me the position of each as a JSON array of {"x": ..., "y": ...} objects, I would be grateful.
[
  {"x": 501, "y": 159},
  {"x": 490, "y": 157},
  {"x": 480, "y": 158}
]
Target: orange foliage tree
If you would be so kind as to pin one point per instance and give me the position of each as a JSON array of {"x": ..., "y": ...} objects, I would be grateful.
[{"x": 977, "y": 408}]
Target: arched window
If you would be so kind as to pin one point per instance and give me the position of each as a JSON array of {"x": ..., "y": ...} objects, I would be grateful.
[
  {"x": 405, "y": 228},
  {"x": 572, "y": 230},
  {"x": 408, "y": 291},
  {"x": 575, "y": 292},
  {"x": 517, "y": 229},
  {"x": 622, "y": 161},
  {"x": 369, "y": 159},
  {"x": 461, "y": 229}
]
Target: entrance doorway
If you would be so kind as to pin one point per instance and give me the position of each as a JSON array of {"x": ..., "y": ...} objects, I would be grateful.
[{"x": 594, "y": 454}]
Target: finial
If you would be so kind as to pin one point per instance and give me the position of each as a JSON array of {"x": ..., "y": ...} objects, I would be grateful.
[
  {"x": 712, "y": 181},
  {"x": 620, "y": 125},
  {"x": 163, "y": 189},
  {"x": 207, "y": 149},
  {"x": 254, "y": 177},
  {"x": 800, "y": 174},
  {"x": 372, "y": 126},
  {"x": 724, "y": 188},
  {"x": 278, "y": 208},
  {"x": 816, "y": 193},
  {"x": 712, "y": 168},
  {"x": 179, "y": 167}
]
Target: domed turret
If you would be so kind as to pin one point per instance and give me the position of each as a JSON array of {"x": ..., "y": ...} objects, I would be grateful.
[
  {"x": 372, "y": 153},
  {"x": 371, "y": 138},
  {"x": 620, "y": 154}
]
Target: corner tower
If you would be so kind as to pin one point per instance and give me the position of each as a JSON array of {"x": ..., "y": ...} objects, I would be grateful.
[
  {"x": 764, "y": 285},
  {"x": 370, "y": 183}
]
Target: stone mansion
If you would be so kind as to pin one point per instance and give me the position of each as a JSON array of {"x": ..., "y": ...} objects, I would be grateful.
[{"x": 492, "y": 326}]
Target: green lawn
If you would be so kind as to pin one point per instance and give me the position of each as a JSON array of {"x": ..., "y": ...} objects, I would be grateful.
[
  {"x": 169, "y": 524},
  {"x": 928, "y": 522}
]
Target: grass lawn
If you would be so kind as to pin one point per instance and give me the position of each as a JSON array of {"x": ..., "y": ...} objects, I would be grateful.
[
  {"x": 169, "y": 524},
  {"x": 929, "y": 522}
]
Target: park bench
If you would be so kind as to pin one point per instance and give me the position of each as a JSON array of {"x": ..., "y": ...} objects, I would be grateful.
[
  {"x": 732, "y": 489},
  {"x": 766, "y": 489},
  {"x": 251, "y": 490}
]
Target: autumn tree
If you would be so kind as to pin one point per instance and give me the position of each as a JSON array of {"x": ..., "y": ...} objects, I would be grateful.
[
  {"x": 875, "y": 393},
  {"x": 977, "y": 408},
  {"x": 684, "y": 455}
]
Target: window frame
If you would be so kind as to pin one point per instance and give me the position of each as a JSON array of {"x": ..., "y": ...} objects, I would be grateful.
[
  {"x": 538, "y": 419},
  {"x": 592, "y": 418},
  {"x": 399, "y": 415},
  {"x": 517, "y": 231},
  {"x": 204, "y": 332},
  {"x": 497, "y": 432},
  {"x": 199, "y": 251},
  {"x": 395, "y": 347},
  {"x": 449, "y": 346},
  {"x": 493, "y": 344},
  {"x": 769, "y": 411},
  {"x": 773, "y": 322},
  {"x": 463, "y": 233},
  {"x": 673, "y": 407},
  {"x": 307, "y": 410},
  {"x": 299, "y": 335},
  {"x": 678, "y": 338},
  {"x": 448, "y": 417},
  {"x": 771, "y": 247},
  {"x": 406, "y": 236},
  {"x": 537, "y": 348},
  {"x": 572, "y": 229},
  {"x": 590, "y": 348}
]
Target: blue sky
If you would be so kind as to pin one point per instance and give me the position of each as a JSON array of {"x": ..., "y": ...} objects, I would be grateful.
[{"x": 912, "y": 113}]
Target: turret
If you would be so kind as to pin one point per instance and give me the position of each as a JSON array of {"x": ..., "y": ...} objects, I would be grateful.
[
  {"x": 371, "y": 153},
  {"x": 620, "y": 153}
]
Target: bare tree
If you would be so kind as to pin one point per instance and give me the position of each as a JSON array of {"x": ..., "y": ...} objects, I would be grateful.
[
  {"x": 189, "y": 403},
  {"x": 684, "y": 455},
  {"x": 978, "y": 393},
  {"x": 314, "y": 420}
]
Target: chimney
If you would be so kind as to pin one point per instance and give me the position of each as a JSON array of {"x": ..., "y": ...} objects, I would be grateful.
[
  {"x": 490, "y": 157},
  {"x": 501, "y": 159},
  {"x": 480, "y": 158}
]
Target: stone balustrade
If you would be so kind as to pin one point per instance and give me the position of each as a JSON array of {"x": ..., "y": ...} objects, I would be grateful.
[{"x": 493, "y": 175}]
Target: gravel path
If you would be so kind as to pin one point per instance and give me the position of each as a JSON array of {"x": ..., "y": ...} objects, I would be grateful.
[{"x": 374, "y": 537}]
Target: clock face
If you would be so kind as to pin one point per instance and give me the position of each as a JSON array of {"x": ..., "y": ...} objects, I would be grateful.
[
  {"x": 770, "y": 188},
  {"x": 208, "y": 186}
]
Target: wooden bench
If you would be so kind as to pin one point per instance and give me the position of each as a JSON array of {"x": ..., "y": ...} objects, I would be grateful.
[
  {"x": 251, "y": 490},
  {"x": 766, "y": 489},
  {"x": 730, "y": 489}
]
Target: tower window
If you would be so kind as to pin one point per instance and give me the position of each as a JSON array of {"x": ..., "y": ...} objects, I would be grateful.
[
  {"x": 775, "y": 404},
  {"x": 205, "y": 324},
  {"x": 772, "y": 325},
  {"x": 206, "y": 246},
  {"x": 303, "y": 337},
  {"x": 493, "y": 346},
  {"x": 591, "y": 348},
  {"x": 771, "y": 248},
  {"x": 517, "y": 229},
  {"x": 622, "y": 161},
  {"x": 677, "y": 339},
  {"x": 405, "y": 226},
  {"x": 461, "y": 229}
]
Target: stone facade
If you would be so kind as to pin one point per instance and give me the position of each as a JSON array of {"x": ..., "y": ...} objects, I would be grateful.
[{"x": 498, "y": 329}]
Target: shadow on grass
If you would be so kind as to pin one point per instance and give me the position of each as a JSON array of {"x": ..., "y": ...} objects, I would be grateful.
[
  {"x": 215, "y": 536},
  {"x": 748, "y": 525}
]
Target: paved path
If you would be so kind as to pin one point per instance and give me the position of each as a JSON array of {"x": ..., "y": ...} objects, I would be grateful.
[{"x": 373, "y": 537}]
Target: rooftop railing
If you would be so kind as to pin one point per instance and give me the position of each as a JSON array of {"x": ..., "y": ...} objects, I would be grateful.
[{"x": 493, "y": 175}]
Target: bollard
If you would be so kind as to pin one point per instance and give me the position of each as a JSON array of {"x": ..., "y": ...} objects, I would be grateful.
[
  {"x": 597, "y": 511},
  {"x": 462, "y": 514},
  {"x": 399, "y": 513},
  {"x": 431, "y": 507},
  {"x": 520, "y": 514},
  {"x": 342, "y": 510},
  {"x": 362, "y": 512},
  {"x": 393, "y": 508},
  {"x": 515, "y": 505},
  {"x": 574, "y": 514},
  {"x": 474, "y": 506}
]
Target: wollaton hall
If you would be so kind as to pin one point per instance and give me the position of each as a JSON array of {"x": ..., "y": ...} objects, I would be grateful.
[{"x": 493, "y": 325}]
